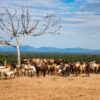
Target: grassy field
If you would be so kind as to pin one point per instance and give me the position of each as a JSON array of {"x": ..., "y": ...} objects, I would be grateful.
[{"x": 69, "y": 57}]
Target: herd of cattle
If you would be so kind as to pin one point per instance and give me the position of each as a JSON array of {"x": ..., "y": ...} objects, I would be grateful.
[{"x": 38, "y": 67}]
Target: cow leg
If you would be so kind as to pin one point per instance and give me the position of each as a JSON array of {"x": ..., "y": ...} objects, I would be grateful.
[
  {"x": 68, "y": 71},
  {"x": 37, "y": 72},
  {"x": 44, "y": 72}
]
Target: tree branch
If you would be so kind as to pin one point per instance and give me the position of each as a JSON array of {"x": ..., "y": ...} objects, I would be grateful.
[
  {"x": 20, "y": 42},
  {"x": 4, "y": 42}
]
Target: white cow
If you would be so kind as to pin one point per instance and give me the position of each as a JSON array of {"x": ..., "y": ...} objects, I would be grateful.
[
  {"x": 29, "y": 69},
  {"x": 6, "y": 73}
]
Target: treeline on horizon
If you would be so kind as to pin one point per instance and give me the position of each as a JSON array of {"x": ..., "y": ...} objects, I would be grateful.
[{"x": 11, "y": 57}]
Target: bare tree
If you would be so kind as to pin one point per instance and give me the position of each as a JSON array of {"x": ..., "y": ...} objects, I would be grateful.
[{"x": 16, "y": 27}]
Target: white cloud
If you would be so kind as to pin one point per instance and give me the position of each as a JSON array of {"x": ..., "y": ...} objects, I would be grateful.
[{"x": 92, "y": 1}]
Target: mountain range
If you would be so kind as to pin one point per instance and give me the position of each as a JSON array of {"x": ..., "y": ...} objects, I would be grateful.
[{"x": 50, "y": 50}]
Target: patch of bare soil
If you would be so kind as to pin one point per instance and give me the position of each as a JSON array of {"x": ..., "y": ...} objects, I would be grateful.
[{"x": 51, "y": 88}]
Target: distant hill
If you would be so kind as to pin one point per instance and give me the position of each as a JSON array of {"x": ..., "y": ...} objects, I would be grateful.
[{"x": 50, "y": 50}]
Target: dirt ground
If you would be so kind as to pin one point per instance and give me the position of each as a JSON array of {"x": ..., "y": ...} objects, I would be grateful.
[{"x": 51, "y": 88}]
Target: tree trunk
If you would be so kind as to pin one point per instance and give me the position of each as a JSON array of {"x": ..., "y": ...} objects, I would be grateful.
[
  {"x": 18, "y": 56},
  {"x": 5, "y": 62}
]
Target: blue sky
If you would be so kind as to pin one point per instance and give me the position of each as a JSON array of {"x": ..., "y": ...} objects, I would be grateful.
[{"x": 80, "y": 22}]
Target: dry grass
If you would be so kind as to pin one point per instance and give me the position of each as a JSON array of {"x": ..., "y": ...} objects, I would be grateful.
[{"x": 51, "y": 88}]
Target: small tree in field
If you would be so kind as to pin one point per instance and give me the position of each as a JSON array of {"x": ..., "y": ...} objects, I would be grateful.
[{"x": 15, "y": 27}]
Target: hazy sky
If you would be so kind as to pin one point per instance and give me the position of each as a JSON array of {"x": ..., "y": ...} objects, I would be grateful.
[{"x": 80, "y": 22}]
